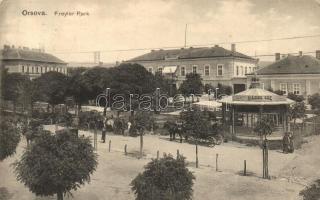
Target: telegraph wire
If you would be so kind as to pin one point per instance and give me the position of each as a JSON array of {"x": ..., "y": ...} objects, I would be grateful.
[{"x": 194, "y": 45}]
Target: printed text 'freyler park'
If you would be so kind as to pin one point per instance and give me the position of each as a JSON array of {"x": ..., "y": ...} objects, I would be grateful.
[{"x": 55, "y": 13}]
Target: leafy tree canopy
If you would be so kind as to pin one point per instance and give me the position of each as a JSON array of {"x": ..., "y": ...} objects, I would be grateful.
[
  {"x": 296, "y": 98},
  {"x": 192, "y": 85},
  {"x": 164, "y": 179},
  {"x": 9, "y": 138},
  {"x": 314, "y": 101},
  {"x": 56, "y": 164},
  {"x": 264, "y": 127},
  {"x": 52, "y": 86},
  {"x": 200, "y": 123}
]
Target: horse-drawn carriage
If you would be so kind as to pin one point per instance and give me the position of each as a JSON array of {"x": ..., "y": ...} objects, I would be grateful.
[{"x": 180, "y": 128}]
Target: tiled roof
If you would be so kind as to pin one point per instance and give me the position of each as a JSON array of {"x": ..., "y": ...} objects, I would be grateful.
[
  {"x": 189, "y": 53},
  {"x": 29, "y": 55},
  {"x": 292, "y": 65}
]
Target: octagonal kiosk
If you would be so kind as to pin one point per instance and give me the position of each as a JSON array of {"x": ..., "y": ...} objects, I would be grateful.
[{"x": 242, "y": 111}]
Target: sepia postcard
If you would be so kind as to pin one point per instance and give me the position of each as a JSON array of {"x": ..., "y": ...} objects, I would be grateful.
[{"x": 159, "y": 99}]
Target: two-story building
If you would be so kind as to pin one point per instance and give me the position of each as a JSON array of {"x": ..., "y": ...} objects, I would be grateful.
[
  {"x": 32, "y": 62},
  {"x": 292, "y": 74},
  {"x": 214, "y": 64}
]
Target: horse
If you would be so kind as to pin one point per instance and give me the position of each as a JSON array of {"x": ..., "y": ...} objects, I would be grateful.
[{"x": 174, "y": 128}]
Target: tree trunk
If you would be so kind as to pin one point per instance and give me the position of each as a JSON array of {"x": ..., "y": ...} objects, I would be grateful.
[
  {"x": 59, "y": 196},
  {"x": 132, "y": 113},
  {"x": 141, "y": 143}
]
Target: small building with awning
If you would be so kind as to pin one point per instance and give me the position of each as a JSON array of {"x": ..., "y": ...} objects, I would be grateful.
[{"x": 242, "y": 111}]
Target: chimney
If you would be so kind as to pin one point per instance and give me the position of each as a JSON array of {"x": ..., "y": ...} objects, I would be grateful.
[
  {"x": 233, "y": 47},
  {"x": 300, "y": 53},
  {"x": 318, "y": 54},
  {"x": 277, "y": 55},
  {"x": 96, "y": 57},
  {"x": 6, "y": 47}
]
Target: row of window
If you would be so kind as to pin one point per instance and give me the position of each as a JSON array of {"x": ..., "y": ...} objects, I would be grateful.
[
  {"x": 243, "y": 70},
  {"x": 40, "y": 70},
  {"x": 296, "y": 88},
  {"x": 194, "y": 70}
]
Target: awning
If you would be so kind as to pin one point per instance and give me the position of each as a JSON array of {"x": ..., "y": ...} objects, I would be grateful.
[
  {"x": 211, "y": 104},
  {"x": 169, "y": 69}
]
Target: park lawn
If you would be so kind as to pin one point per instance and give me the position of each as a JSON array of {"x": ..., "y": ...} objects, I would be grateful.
[{"x": 116, "y": 170}]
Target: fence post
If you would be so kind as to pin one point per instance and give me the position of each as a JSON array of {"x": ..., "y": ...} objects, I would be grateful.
[
  {"x": 95, "y": 143},
  {"x": 245, "y": 168},
  {"x": 158, "y": 155},
  {"x": 217, "y": 155},
  {"x": 178, "y": 154},
  {"x": 125, "y": 149},
  {"x": 109, "y": 145},
  {"x": 197, "y": 161}
]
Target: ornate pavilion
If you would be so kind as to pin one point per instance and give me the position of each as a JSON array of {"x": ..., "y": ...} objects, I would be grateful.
[{"x": 242, "y": 111}]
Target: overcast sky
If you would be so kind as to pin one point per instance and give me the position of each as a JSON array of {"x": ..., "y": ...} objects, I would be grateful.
[{"x": 125, "y": 24}]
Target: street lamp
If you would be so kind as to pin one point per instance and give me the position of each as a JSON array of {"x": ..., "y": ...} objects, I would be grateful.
[{"x": 108, "y": 97}]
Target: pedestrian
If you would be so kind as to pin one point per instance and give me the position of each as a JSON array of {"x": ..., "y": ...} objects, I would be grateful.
[
  {"x": 103, "y": 134},
  {"x": 286, "y": 142}
]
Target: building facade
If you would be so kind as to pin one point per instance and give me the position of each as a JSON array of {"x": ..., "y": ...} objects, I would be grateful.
[
  {"x": 32, "y": 62},
  {"x": 299, "y": 75},
  {"x": 214, "y": 64}
]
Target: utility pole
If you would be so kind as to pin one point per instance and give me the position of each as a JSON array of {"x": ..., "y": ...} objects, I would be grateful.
[{"x": 185, "y": 36}]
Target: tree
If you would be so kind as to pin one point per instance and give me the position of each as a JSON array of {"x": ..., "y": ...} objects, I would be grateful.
[
  {"x": 9, "y": 138},
  {"x": 52, "y": 87},
  {"x": 56, "y": 164},
  {"x": 265, "y": 127},
  {"x": 198, "y": 124},
  {"x": 140, "y": 123},
  {"x": 298, "y": 110},
  {"x": 164, "y": 179},
  {"x": 208, "y": 87},
  {"x": 11, "y": 87},
  {"x": 314, "y": 101},
  {"x": 78, "y": 89},
  {"x": 132, "y": 79},
  {"x": 224, "y": 89},
  {"x": 192, "y": 85},
  {"x": 96, "y": 80}
]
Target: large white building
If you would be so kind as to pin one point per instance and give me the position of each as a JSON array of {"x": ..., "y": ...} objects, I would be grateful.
[
  {"x": 32, "y": 62},
  {"x": 214, "y": 64}
]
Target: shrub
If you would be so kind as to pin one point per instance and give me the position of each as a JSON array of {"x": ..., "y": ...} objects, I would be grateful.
[
  {"x": 294, "y": 97},
  {"x": 311, "y": 192},
  {"x": 164, "y": 179},
  {"x": 279, "y": 92}
]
